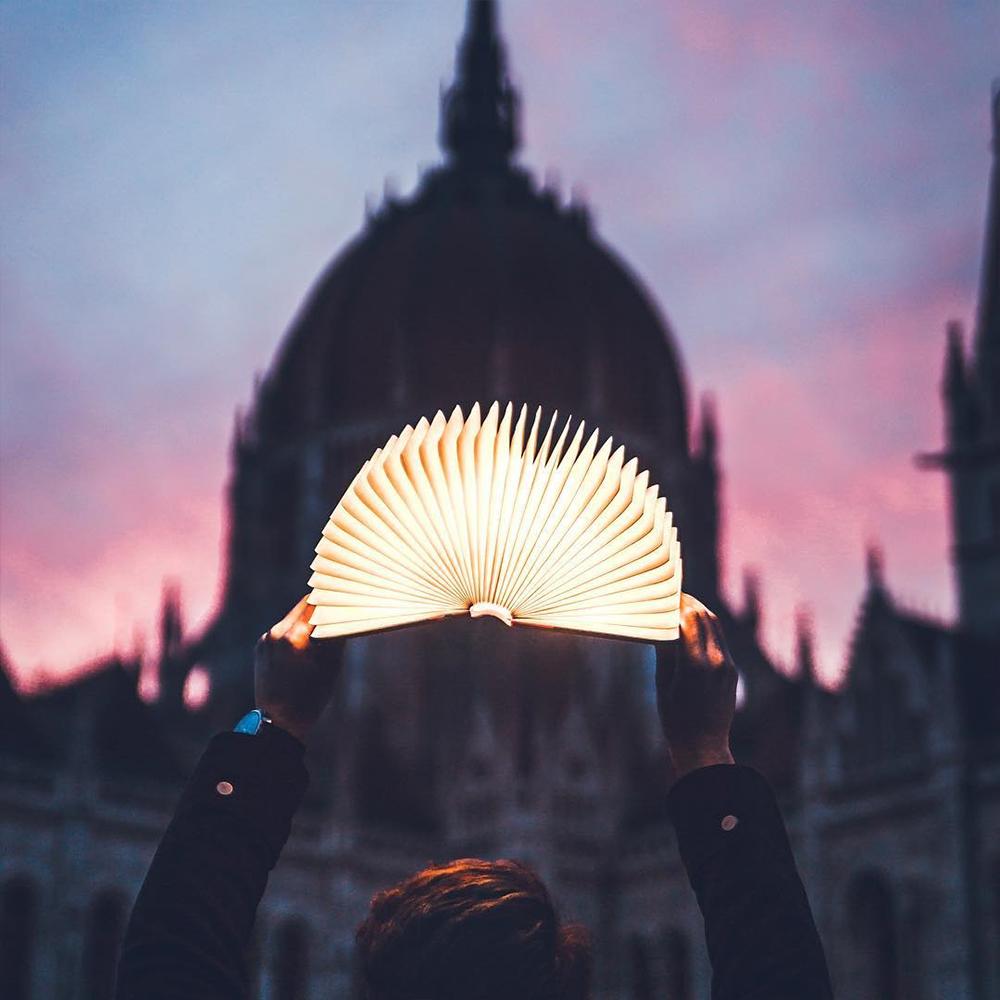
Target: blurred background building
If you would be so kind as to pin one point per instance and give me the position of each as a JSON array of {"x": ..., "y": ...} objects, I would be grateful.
[{"x": 466, "y": 739}]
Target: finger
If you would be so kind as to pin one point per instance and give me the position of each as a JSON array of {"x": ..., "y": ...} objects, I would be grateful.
[
  {"x": 701, "y": 625},
  {"x": 302, "y": 609},
  {"x": 703, "y": 634},
  {"x": 716, "y": 650},
  {"x": 689, "y": 619},
  {"x": 305, "y": 609},
  {"x": 298, "y": 634},
  {"x": 693, "y": 606},
  {"x": 693, "y": 616}
]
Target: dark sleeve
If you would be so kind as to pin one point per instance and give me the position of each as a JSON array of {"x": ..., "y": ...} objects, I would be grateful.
[
  {"x": 761, "y": 936},
  {"x": 192, "y": 919}
]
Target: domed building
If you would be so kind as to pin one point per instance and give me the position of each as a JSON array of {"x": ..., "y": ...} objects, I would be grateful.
[
  {"x": 466, "y": 738},
  {"x": 480, "y": 287}
]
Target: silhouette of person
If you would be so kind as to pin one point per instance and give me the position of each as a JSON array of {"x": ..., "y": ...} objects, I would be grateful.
[{"x": 471, "y": 929}]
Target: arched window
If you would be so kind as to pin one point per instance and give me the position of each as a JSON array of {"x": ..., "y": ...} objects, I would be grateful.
[
  {"x": 18, "y": 908},
  {"x": 291, "y": 961},
  {"x": 103, "y": 935},
  {"x": 641, "y": 979},
  {"x": 678, "y": 960},
  {"x": 872, "y": 923}
]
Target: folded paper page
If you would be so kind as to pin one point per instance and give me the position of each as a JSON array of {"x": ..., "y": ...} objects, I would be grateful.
[{"x": 477, "y": 516}]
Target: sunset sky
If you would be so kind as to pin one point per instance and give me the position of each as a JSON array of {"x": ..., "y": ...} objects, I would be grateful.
[{"x": 801, "y": 186}]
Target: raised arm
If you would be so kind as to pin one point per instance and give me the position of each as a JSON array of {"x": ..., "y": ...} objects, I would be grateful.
[
  {"x": 192, "y": 920},
  {"x": 762, "y": 940}
]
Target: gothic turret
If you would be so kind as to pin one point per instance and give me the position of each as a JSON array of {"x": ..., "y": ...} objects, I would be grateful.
[
  {"x": 172, "y": 665},
  {"x": 971, "y": 456},
  {"x": 751, "y": 611},
  {"x": 703, "y": 519}
]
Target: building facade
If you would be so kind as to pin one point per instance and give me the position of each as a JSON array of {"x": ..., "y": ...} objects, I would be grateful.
[{"x": 466, "y": 739}]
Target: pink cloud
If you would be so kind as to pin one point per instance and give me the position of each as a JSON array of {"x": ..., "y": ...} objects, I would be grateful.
[
  {"x": 819, "y": 462},
  {"x": 62, "y": 615},
  {"x": 95, "y": 536}
]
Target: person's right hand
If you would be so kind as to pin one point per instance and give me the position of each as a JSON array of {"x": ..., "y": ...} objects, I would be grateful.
[{"x": 696, "y": 690}]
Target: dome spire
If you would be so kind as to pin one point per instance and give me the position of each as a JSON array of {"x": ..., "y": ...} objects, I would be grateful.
[
  {"x": 987, "y": 345},
  {"x": 479, "y": 111}
]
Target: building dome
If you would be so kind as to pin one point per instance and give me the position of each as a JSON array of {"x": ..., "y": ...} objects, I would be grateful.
[{"x": 481, "y": 286}]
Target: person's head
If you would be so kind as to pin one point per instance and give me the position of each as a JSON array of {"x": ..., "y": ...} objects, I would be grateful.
[{"x": 471, "y": 930}]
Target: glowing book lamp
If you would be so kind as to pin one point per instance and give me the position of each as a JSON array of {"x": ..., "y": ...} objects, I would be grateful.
[{"x": 470, "y": 516}]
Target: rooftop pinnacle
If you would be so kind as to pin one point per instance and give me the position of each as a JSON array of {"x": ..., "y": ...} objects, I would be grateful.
[{"x": 479, "y": 111}]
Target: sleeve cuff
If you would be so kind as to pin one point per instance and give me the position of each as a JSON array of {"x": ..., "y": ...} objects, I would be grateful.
[
  {"x": 259, "y": 780},
  {"x": 722, "y": 808}
]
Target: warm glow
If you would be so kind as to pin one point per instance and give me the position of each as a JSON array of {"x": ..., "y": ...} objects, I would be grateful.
[
  {"x": 494, "y": 515},
  {"x": 481, "y": 608}
]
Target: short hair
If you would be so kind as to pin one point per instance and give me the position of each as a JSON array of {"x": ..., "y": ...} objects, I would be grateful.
[{"x": 471, "y": 930}]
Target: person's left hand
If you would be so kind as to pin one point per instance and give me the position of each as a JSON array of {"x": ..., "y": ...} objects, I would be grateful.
[{"x": 294, "y": 675}]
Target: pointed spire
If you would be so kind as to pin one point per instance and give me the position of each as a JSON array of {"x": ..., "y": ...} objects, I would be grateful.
[
  {"x": 479, "y": 111},
  {"x": 954, "y": 361},
  {"x": 708, "y": 437},
  {"x": 996, "y": 116},
  {"x": 875, "y": 567},
  {"x": 171, "y": 622},
  {"x": 704, "y": 518},
  {"x": 138, "y": 642},
  {"x": 805, "y": 655},
  {"x": 962, "y": 410},
  {"x": 237, "y": 440},
  {"x": 171, "y": 669},
  {"x": 751, "y": 599},
  {"x": 987, "y": 348}
]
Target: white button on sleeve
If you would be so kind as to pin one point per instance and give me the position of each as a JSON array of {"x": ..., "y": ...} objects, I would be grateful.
[
  {"x": 224, "y": 788},
  {"x": 729, "y": 823}
]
